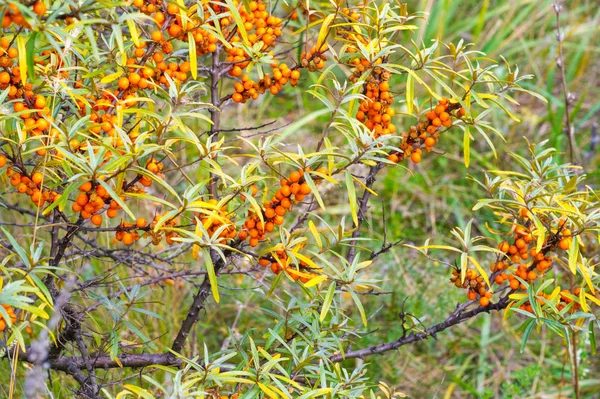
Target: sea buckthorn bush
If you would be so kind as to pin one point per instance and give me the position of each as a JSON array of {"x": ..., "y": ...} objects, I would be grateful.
[{"x": 135, "y": 205}]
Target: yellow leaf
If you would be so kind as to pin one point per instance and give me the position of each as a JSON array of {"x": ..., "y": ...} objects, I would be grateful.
[
  {"x": 133, "y": 31},
  {"x": 193, "y": 56},
  {"x": 22, "y": 57},
  {"x": 111, "y": 77},
  {"x": 315, "y": 281},
  {"x": 315, "y": 233}
]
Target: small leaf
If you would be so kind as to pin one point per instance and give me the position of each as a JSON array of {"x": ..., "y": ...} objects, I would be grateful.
[
  {"x": 327, "y": 302},
  {"x": 351, "y": 197},
  {"x": 212, "y": 276},
  {"x": 193, "y": 56}
]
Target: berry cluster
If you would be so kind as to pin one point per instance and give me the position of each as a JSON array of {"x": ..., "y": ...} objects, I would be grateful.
[
  {"x": 376, "y": 110},
  {"x": 279, "y": 261},
  {"x": 32, "y": 186},
  {"x": 249, "y": 89},
  {"x": 475, "y": 284},
  {"x": 425, "y": 135},
  {"x": 220, "y": 219},
  {"x": 314, "y": 59},
  {"x": 90, "y": 202},
  {"x": 12, "y": 15},
  {"x": 566, "y": 299},
  {"x": 11, "y": 314},
  {"x": 521, "y": 261},
  {"x": 127, "y": 232},
  {"x": 293, "y": 189}
]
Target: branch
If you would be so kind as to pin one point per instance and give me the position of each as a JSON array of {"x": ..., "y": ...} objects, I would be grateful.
[
  {"x": 362, "y": 209},
  {"x": 68, "y": 364},
  {"x": 199, "y": 303},
  {"x": 458, "y": 316}
]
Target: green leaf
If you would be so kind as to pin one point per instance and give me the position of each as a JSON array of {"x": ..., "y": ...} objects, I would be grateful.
[
  {"x": 20, "y": 251},
  {"x": 526, "y": 333},
  {"x": 410, "y": 94},
  {"x": 359, "y": 306},
  {"x": 30, "y": 48},
  {"x": 467, "y": 146},
  {"x": 352, "y": 197},
  {"x": 327, "y": 302},
  {"x": 212, "y": 276}
]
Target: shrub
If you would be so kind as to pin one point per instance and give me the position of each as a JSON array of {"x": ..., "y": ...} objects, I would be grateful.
[{"x": 130, "y": 186}]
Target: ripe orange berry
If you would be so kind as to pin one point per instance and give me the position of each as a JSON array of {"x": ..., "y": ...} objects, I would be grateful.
[
  {"x": 140, "y": 222},
  {"x": 123, "y": 83},
  {"x": 127, "y": 238},
  {"x": 483, "y": 301},
  {"x": 85, "y": 187},
  {"x": 156, "y": 36},
  {"x": 37, "y": 178},
  {"x": 305, "y": 189},
  {"x": 172, "y": 9},
  {"x": 564, "y": 244},
  {"x": 294, "y": 177},
  {"x": 39, "y": 8},
  {"x": 2, "y": 160},
  {"x": 4, "y": 77},
  {"x": 430, "y": 142},
  {"x": 237, "y": 97},
  {"x": 415, "y": 157},
  {"x": 97, "y": 219}
]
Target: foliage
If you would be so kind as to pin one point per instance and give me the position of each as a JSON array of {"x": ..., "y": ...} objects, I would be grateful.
[{"x": 140, "y": 189}]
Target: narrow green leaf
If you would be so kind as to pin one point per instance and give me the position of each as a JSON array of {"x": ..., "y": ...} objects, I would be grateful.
[
  {"x": 352, "y": 197},
  {"x": 212, "y": 276},
  {"x": 327, "y": 302}
]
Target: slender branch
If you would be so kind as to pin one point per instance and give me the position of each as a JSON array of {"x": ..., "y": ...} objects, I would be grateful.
[
  {"x": 199, "y": 303},
  {"x": 458, "y": 316},
  {"x": 362, "y": 208},
  {"x": 569, "y": 131}
]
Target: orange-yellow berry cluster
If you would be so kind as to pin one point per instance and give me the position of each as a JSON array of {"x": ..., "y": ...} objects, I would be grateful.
[
  {"x": 425, "y": 135},
  {"x": 11, "y": 314},
  {"x": 279, "y": 261},
  {"x": 475, "y": 284},
  {"x": 376, "y": 110},
  {"x": 293, "y": 189},
  {"x": 314, "y": 59},
  {"x": 249, "y": 89},
  {"x": 31, "y": 186},
  {"x": 218, "y": 219},
  {"x": 12, "y": 15},
  {"x": 90, "y": 202},
  {"x": 127, "y": 232}
]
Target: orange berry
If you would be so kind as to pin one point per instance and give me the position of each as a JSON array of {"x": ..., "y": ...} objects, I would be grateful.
[
  {"x": 37, "y": 178},
  {"x": 85, "y": 187},
  {"x": 123, "y": 83},
  {"x": 564, "y": 244},
  {"x": 39, "y": 8},
  {"x": 140, "y": 222},
  {"x": 415, "y": 157},
  {"x": 2, "y": 160},
  {"x": 294, "y": 177},
  {"x": 172, "y": 9},
  {"x": 483, "y": 301},
  {"x": 97, "y": 219},
  {"x": 127, "y": 238},
  {"x": 305, "y": 189},
  {"x": 156, "y": 36}
]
